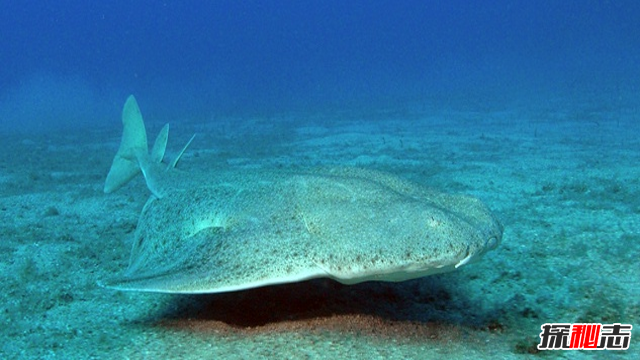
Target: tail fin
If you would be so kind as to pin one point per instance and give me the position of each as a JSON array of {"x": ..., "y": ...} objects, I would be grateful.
[{"x": 133, "y": 151}]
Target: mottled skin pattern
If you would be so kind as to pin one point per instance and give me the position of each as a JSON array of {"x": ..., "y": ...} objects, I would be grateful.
[{"x": 225, "y": 231}]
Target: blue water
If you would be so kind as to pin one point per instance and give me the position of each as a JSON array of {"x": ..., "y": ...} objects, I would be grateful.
[
  {"x": 74, "y": 62},
  {"x": 530, "y": 105}
]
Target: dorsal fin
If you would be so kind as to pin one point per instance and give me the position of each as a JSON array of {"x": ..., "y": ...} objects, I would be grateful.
[
  {"x": 133, "y": 156},
  {"x": 175, "y": 161},
  {"x": 160, "y": 146}
]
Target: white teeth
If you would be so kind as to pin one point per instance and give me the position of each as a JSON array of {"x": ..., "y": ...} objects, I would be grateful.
[{"x": 464, "y": 261}]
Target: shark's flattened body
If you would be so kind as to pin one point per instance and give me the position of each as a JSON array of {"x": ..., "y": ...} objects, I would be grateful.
[{"x": 234, "y": 230}]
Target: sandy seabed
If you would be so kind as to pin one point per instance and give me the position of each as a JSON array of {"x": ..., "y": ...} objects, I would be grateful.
[{"x": 564, "y": 181}]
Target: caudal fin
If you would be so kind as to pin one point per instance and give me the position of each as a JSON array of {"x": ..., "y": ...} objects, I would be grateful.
[{"x": 133, "y": 151}]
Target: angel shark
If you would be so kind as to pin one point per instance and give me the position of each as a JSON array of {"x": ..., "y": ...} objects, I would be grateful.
[{"x": 219, "y": 231}]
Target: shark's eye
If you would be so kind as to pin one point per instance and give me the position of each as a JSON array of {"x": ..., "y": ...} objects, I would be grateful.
[{"x": 492, "y": 242}]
